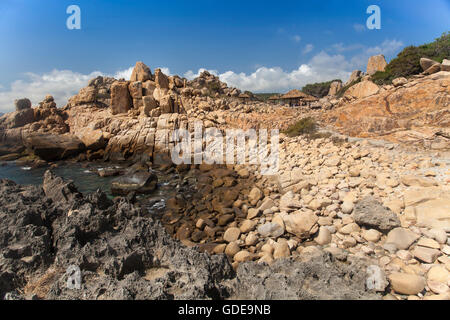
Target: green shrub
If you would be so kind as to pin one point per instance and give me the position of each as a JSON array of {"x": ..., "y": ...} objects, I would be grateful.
[
  {"x": 318, "y": 90},
  {"x": 407, "y": 62},
  {"x": 305, "y": 126}
]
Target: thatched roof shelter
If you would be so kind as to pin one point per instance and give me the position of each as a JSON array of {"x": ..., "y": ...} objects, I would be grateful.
[
  {"x": 297, "y": 94},
  {"x": 244, "y": 96},
  {"x": 275, "y": 97},
  {"x": 297, "y": 97}
]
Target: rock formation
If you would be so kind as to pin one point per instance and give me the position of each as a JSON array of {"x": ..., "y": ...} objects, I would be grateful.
[{"x": 376, "y": 63}]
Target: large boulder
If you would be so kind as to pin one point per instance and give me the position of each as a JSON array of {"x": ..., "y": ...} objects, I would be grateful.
[
  {"x": 52, "y": 147},
  {"x": 92, "y": 139},
  {"x": 301, "y": 224},
  {"x": 22, "y": 104},
  {"x": 372, "y": 214},
  {"x": 426, "y": 63},
  {"x": 335, "y": 87},
  {"x": 354, "y": 76},
  {"x": 19, "y": 118},
  {"x": 161, "y": 80},
  {"x": 139, "y": 182},
  {"x": 141, "y": 72},
  {"x": 120, "y": 98},
  {"x": 376, "y": 63},
  {"x": 86, "y": 95},
  {"x": 362, "y": 90}
]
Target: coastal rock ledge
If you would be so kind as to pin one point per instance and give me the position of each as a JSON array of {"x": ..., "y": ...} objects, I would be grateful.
[{"x": 123, "y": 253}]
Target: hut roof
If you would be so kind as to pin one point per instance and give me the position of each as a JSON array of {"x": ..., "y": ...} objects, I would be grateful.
[
  {"x": 244, "y": 96},
  {"x": 275, "y": 97},
  {"x": 297, "y": 94}
]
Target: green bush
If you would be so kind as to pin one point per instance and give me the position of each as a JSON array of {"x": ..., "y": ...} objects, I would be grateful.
[
  {"x": 318, "y": 90},
  {"x": 305, "y": 126},
  {"x": 407, "y": 62}
]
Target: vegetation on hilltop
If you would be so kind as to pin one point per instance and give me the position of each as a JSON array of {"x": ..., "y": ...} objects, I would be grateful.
[
  {"x": 407, "y": 62},
  {"x": 265, "y": 96},
  {"x": 318, "y": 90}
]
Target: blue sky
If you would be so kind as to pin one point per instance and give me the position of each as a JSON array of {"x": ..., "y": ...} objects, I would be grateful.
[{"x": 256, "y": 45}]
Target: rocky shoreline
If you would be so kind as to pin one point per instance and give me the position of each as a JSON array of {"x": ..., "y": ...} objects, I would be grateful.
[
  {"x": 125, "y": 254},
  {"x": 343, "y": 218}
]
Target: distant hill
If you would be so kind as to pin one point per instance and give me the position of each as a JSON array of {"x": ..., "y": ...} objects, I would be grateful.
[{"x": 264, "y": 96}]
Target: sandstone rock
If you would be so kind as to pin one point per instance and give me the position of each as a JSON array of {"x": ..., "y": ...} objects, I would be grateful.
[
  {"x": 414, "y": 181},
  {"x": 404, "y": 283},
  {"x": 22, "y": 104},
  {"x": 120, "y": 98},
  {"x": 439, "y": 274},
  {"x": 376, "y": 63},
  {"x": 281, "y": 249},
  {"x": 161, "y": 80},
  {"x": 433, "y": 69},
  {"x": 371, "y": 235},
  {"x": 52, "y": 147},
  {"x": 135, "y": 89},
  {"x": 92, "y": 139},
  {"x": 426, "y": 255},
  {"x": 372, "y": 214},
  {"x": 141, "y": 72},
  {"x": 402, "y": 238},
  {"x": 397, "y": 82},
  {"x": 301, "y": 224},
  {"x": 252, "y": 213},
  {"x": 426, "y": 63},
  {"x": 362, "y": 90},
  {"x": 232, "y": 248},
  {"x": 231, "y": 234},
  {"x": 255, "y": 195},
  {"x": 288, "y": 203},
  {"x": 248, "y": 225},
  {"x": 335, "y": 87},
  {"x": 243, "y": 256},
  {"x": 354, "y": 76},
  {"x": 434, "y": 214},
  {"x": 324, "y": 236},
  {"x": 271, "y": 230}
]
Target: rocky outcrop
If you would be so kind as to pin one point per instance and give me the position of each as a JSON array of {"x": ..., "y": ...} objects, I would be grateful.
[
  {"x": 335, "y": 87},
  {"x": 138, "y": 182},
  {"x": 376, "y": 63},
  {"x": 414, "y": 113},
  {"x": 53, "y": 147},
  {"x": 120, "y": 98},
  {"x": 123, "y": 253},
  {"x": 362, "y": 89},
  {"x": 141, "y": 73}
]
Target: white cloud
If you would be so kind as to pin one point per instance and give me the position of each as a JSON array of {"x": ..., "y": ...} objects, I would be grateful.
[
  {"x": 297, "y": 38},
  {"x": 359, "y": 27},
  {"x": 190, "y": 75},
  {"x": 322, "y": 67},
  {"x": 126, "y": 74},
  {"x": 308, "y": 48},
  {"x": 61, "y": 84}
]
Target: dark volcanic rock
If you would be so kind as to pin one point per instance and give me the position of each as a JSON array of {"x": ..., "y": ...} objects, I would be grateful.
[
  {"x": 124, "y": 253},
  {"x": 372, "y": 214}
]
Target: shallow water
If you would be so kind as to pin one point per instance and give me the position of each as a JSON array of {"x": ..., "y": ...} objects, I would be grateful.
[{"x": 87, "y": 180}]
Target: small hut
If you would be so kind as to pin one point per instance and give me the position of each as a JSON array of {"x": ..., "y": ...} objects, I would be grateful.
[
  {"x": 244, "y": 97},
  {"x": 275, "y": 98},
  {"x": 297, "y": 98}
]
